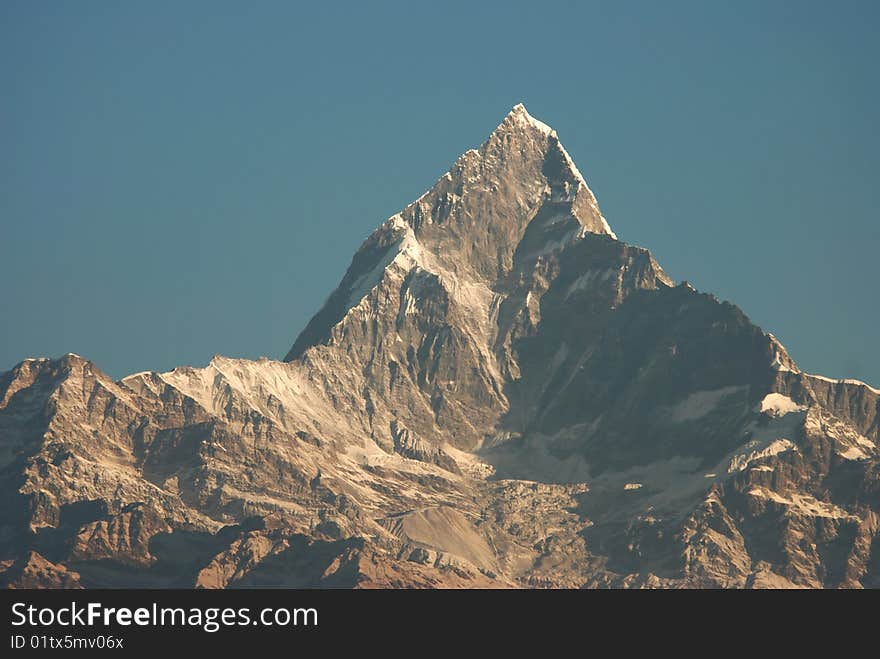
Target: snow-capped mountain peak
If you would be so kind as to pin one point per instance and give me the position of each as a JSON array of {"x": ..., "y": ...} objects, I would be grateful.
[{"x": 498, "y": 392}]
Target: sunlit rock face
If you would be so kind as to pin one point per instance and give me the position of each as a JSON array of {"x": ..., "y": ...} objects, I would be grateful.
[{"x": 499, "y": 393}]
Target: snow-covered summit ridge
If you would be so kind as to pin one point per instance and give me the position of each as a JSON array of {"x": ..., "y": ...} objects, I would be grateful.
[
  {"x": 784, "y": 364},
  {"x": 519, "y": 114}
]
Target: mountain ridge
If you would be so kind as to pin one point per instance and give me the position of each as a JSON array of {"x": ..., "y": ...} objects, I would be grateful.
[{"x": 499, "y": 392}]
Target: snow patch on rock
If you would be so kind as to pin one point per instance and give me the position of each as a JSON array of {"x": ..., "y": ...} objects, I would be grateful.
[
  {"x": 801, "y": 504},
  {"x": 779, "y": 405},
  {"x": 743, "y": 460},
  {"x": 584, "y": 281},
  {"x": 701, "y": 403}
]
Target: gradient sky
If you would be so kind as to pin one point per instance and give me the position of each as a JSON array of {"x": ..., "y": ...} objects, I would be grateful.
[{"x": 179, "y": 179}]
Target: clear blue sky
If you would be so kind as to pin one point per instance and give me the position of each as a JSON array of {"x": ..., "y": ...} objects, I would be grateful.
[{"x": 179, "y": 179}]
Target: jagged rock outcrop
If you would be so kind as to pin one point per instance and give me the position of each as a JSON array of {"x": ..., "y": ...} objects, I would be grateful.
[
  {"x": 34, "y": 571},
  {"x": 499, "y": 393}
]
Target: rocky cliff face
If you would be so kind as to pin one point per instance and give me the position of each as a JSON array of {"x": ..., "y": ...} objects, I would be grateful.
[{"x": 499, "y": 393}]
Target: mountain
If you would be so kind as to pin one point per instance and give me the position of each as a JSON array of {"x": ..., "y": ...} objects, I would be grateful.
[{"x": 499, "y": 393}]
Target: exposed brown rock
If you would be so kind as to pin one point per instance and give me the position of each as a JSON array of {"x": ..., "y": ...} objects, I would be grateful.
[{"x": 498, "y": 394}]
